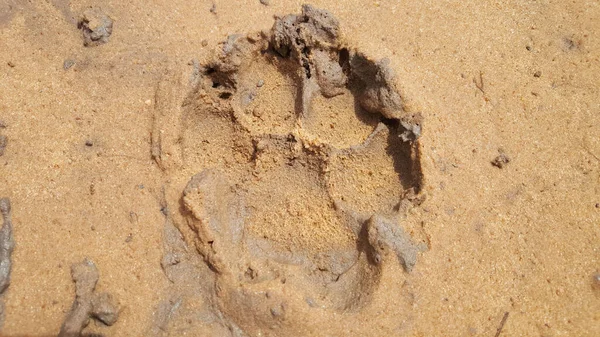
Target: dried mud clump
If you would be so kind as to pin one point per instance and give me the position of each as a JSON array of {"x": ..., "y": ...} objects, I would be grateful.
[
  {"x": 306, "y": 162},
  {"x": 3, "y": 144},
  {"x": 7, "y": 245},
  {"x": 87, "y": 304},
  {"x": 294, "y": 35},
  {"x": 378, "y": 92},
  {"x": 96, "y": 27},
  {"x": 313, "y": 39},
  {"x": 3, "y": 139}
]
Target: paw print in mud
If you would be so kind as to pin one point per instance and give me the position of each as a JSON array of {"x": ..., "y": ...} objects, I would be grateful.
[{"x": 306, "y": 159}]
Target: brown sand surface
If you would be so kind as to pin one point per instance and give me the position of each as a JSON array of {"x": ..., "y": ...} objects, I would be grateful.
[{"x": 219, "y": 209}]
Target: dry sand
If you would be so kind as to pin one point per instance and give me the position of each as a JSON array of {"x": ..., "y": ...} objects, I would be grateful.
[{"x": 215, "y": 205}]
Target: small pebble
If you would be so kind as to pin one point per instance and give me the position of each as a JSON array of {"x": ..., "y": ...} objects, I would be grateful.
[
  {"x": 276, "y": 312},
  {"x": 501, "y": 160},
  {"x": 596, "y": 281},
  {"x": 89, "y": 143},
  {"x": 204, "y": 43},
  {"x": 133, "y": 217},
  {"x": 260, "y": 83},
  {"x": 68, "y": 64},
  {"x": 10, "y": 64},
  {"x": 570, "y": 44},
  {"x": 265, "y": 2},
  {"x": 537, "y": 74}
]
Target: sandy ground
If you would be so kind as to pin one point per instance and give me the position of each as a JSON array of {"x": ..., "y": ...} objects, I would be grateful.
[{"x": 518, "y": 242}]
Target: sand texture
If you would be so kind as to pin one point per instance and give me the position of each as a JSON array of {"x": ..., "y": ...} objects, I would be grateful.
[{"x": 276, "y": 168}]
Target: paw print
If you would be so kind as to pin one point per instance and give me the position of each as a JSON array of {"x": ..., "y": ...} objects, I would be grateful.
[{"x": 306, "y": 159}]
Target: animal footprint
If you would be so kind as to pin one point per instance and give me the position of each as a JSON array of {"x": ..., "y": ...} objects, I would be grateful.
[{"x": 305, "y": 154}]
